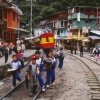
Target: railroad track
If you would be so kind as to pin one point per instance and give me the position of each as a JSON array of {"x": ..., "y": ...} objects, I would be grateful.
[
  {"x": 93, "y": 79},
  {"x": 12, "y": 90}
]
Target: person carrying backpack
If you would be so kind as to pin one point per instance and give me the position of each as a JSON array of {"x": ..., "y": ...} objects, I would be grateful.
[
  {"x": 61, "y": 56},
  {"x": 31, "y": 76}
]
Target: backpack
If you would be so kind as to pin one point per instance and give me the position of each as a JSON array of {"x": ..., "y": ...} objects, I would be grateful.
[
  {"x": 61, "y": 54},
  {"x": 56, "y": 55}
]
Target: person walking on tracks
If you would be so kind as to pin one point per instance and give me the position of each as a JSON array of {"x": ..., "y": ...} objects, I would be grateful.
[
  {"x": 61, "y": 56},
  {"x": 16, "y": 66},
  {"x": 81, "y": 50},
  {"x": 39, "y": 62},
  {"x": 41, "y": 52},
  {"x": 50, "y": 77},
  {"x": 96, "y": 52},
  {"x": 31, "y": 76}
]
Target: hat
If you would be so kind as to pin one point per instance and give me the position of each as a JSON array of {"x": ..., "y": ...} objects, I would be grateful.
[
  {"x": 33, "y": 58},
  {"x": 19, "y": 48}
]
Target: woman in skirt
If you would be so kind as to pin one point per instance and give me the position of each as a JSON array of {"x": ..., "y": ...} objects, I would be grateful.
[{"x": 96, "y": 52}]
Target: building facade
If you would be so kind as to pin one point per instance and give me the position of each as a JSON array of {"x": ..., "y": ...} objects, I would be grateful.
[
  {"x": 9, "y": 21},
  {"x": 55, "y": 24},
  {"x": 81, "y": 20}
]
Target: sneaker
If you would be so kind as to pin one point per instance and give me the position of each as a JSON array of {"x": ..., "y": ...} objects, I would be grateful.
[
  {"x": 47, "y": 86},
  {"x": 53, "y": 83},
  {"x": 43, "y": 89},
  {"x": 13, "y": 87}
]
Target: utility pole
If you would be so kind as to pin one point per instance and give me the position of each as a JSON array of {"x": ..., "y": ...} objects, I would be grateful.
[
  {"x": 18, "y": 21},
  {"x": 31, "y": 21},
  {"x": 97, "y": 19}
]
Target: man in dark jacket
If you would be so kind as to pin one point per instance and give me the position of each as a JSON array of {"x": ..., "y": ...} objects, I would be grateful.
[{"x": 81, "y": 50}]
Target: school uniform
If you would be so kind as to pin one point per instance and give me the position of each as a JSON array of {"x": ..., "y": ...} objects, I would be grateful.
[
  {"x": 41, "y": 69},
  {"x": 50, "y": 77},
  {"x": 16, "y": 74},
  {"x": 41, "y": 53},
  {"x": 33, "y": 83},
  {"x": 61, "y": 58}
]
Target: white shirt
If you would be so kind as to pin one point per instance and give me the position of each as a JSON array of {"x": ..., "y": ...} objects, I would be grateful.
[
  {"x": 15, "y": 65},
  {"x": 7, "y": 49},
  {"x": 38, "y": 61},
  {"x": 41, "y": 52},
  {"x": 23, "y": 46}
]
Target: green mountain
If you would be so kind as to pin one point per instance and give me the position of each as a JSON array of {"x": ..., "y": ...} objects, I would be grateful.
[{"x": 42, "y": 8}]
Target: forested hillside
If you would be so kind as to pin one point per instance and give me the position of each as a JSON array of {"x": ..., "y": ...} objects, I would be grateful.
[{"x": 42, "y": 8}]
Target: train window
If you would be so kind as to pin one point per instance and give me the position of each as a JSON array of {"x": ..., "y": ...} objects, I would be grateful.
[{"x": 47, "y": 39}]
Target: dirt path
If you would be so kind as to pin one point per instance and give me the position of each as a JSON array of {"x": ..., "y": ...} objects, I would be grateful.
[{"x": 71, "y": 82}]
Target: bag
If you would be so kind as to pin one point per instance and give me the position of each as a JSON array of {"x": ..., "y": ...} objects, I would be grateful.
[
  {"x": 47, "y": 63},
  {"x": 61, "y": 54},
  {"x": 56, "y": 55},
  {"x": 6, "y": 51}
]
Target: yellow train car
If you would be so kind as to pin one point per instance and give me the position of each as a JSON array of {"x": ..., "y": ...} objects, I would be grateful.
[{"x": 45, "y": 40}]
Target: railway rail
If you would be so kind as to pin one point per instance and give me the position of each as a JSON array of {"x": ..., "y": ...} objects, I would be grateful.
[{"x": 93, "y": 78}]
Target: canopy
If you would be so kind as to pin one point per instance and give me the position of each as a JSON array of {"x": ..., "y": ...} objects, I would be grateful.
[
  {"x": 96, "y": 32},
  {"x": 20, "y": 29},
  {"x": 86, "y": 40},
  {"x": 75, "y": 38},
  {"x": 94, "y": 37}
]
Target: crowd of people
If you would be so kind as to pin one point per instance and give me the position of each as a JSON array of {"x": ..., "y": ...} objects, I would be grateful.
[
  {"x": 94, "y": 52},
  {"x": 6, "y": 48},
  {"x": 39, "y": 63}
]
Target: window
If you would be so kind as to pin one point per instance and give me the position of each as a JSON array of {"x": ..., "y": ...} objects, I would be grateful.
[
  {"x": 77, "y": 9},
  {"x": 61, "y": 31},
  {"x": 47, "y": 39},
  {"x": 5, "y": 13},
  {"x": 58, "y": 32},
  {"x": 13, "y": 16},
  {"x": 88, "y": 21},
  {"x": 0, "y": 13},
  {"x": 61, "y": 23}
]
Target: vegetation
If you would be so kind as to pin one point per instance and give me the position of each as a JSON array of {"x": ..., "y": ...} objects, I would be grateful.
[{"x": 42, "y": 8}]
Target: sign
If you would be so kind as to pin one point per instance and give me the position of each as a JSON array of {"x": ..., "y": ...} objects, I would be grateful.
[
  {"x": 3, "y": 25},
  {"x": 69, "y": 33},
  {"x": 84, "y": 29},
  {"x": 78, "y": 16}
]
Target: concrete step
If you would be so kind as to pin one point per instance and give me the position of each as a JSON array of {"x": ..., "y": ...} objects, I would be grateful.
[
  {"x": 93, "y": 84},
  {"x": 90, "y": 75},
  {"x": 95, "y": 98},
  {"x": 95, "y": 88},
  {"x": 95, "y": 92}
]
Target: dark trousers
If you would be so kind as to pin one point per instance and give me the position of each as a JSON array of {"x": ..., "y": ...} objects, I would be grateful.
[
  {"x": 6, "y": 57},
  {"x": 81, "y": 54},
  {"x": 75, "y": 52},
  {"x": 71, "y": 52}
]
